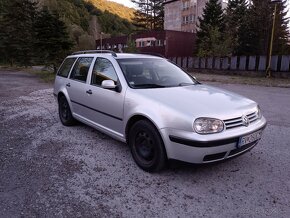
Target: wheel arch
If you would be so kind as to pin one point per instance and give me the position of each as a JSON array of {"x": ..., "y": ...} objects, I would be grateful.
[
  {"x": 132, "y": 120},
  {"x": 60, "y": 94},
  {"x": 64, "y": 93},
  {"x": 137, "y": 117}
]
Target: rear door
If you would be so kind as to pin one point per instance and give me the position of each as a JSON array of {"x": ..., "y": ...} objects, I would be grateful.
[
  {"x": 62, "y": 74},
  {"x": 77, "y": 85}
]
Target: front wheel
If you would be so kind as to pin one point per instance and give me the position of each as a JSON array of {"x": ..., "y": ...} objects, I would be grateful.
[
  {"x": 64, "y": 112},
  {"x": 147, "y": 147}
]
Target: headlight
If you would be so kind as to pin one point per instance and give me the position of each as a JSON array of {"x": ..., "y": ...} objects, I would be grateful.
[
  {"x": 208, "y": 125},
  {"x": 259, "y": 114}
]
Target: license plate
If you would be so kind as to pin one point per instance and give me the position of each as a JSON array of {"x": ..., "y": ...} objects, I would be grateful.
[{"x": 244, "y": 140}]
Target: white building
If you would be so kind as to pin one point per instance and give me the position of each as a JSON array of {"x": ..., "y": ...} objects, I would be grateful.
[{"x": 182, "y": 15}]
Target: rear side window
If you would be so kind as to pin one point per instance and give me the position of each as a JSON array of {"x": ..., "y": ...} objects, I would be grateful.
[
  {"x": 103, "y": 70},
  {"x": 81, "y": 69},
  {"x": 66, "y": 66}
]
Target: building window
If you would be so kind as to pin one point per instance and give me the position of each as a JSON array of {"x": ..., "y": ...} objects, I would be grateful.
[
  {"x": 185, "y": 5},
  {"x": 192, "y": 18},
  {"x": 159, "y": 43},
  {"x": 141, "y": 44},
  {"x": 185, "y": 19}
]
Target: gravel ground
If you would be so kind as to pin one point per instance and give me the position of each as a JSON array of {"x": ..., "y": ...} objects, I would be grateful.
[{"x": 48, "y": 170}]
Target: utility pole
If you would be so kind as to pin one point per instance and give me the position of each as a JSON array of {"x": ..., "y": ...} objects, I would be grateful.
[
  {"x": 268, "y": 71},
  {"x": 101, "y": 40}
]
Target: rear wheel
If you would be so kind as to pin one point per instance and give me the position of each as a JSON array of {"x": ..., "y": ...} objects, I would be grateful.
[
  {"x": 64, "y": 112},
  {"x": 147, "y": 146}
]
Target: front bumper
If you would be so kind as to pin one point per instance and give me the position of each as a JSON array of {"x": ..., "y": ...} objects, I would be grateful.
[{"x": 195, "y": 148}]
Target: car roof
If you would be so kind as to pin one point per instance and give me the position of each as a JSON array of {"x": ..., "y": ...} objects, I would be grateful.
[
  {"x": 118, "y": 55},
  {"x": 128, "y": 55}
]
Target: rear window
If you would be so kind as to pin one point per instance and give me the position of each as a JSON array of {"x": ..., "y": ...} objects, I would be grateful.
[
  {"x": 81, "y": 69},
  {"x": 66, "y": 66}
]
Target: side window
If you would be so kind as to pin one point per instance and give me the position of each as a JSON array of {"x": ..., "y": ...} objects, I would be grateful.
[
  {"x": 81, "y": 69},
  {"x": 103, "y": 70},
  {"x": 65, "y": 67}
]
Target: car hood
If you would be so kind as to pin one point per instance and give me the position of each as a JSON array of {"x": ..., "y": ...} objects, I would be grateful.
[{"x": 200, "y": 100}]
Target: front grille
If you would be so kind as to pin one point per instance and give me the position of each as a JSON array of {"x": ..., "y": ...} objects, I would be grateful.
[{"x": 238, "y": 122}]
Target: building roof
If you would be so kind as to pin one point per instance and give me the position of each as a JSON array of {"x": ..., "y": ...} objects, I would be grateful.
[{"x": 169, "y": 1}]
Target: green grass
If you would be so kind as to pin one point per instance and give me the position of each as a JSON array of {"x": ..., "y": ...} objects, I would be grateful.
[
  {"x": 46, "y": 76},
  {"x": 247, "y": 80}
]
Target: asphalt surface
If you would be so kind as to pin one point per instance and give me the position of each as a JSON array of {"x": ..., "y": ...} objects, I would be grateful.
[{"x": 48, "y": 170}]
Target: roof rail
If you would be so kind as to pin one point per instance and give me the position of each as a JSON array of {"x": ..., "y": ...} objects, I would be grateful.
[
  {"x": 151, "y": 53},
  {"x": 95, "y": 52}
]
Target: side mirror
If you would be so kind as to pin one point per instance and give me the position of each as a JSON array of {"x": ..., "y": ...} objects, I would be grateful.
[{"x": 108, "y": 84}]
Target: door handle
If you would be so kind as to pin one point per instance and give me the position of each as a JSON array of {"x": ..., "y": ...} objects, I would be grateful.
[
  {"x": 89, "y": 92},
  {"x": 68, "y": 85}
]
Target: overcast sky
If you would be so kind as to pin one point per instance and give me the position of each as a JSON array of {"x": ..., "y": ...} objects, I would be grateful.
[{"x": 128, "y": 3}]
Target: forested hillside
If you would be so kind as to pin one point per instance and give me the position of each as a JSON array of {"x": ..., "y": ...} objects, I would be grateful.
[
  {"x": 86, "y": 19},
  {"x": 45, "y": 31},
  {"x": 115, "y": 8}
]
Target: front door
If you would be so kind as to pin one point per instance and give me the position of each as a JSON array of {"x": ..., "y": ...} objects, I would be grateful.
[{"x": 107, "y": 104}]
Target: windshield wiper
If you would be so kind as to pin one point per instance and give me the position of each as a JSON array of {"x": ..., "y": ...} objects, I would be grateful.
[{"x": 149, "y": 86}]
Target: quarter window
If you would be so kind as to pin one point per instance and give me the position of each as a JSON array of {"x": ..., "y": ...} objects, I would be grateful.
[
  {"x": 81, "y": 69},
  {"x": 65, "y": 67},
  {"x": 103, "y": 70}
]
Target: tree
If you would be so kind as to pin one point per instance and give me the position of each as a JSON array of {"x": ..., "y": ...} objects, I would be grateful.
[
  {"x": 260, "y": 26},
  {"x": 131, "y": 45},
  {"x": 150, "y": 14},
  {"x": 236, "y": 25},
  {"x": 281, "y": 36},
  {"x": 114, "y": 25},
  {"x": 215, "y": 44},
  {"x": 211, "y": 25},
  {"x": 141, "y": 16},
  {"x": 157, "y": 16},
  {"x": 52, "y": 40},
  {"x": 16, "y": 31},
  {"x": 3, "y": 5}
]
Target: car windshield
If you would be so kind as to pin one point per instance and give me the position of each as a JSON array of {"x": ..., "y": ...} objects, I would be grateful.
[{"x": 142, "y": 73}]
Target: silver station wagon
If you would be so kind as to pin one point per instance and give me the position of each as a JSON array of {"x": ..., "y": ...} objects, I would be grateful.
[{"x": 160, "y": 111}]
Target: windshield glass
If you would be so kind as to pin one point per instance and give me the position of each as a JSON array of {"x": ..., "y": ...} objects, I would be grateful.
[{"x": 153, "y": 73}]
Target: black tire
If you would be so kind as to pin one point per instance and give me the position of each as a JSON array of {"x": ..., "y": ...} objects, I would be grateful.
[
  {"x": 64, "y": 112},
  {"x": 147, "y": 147}
]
